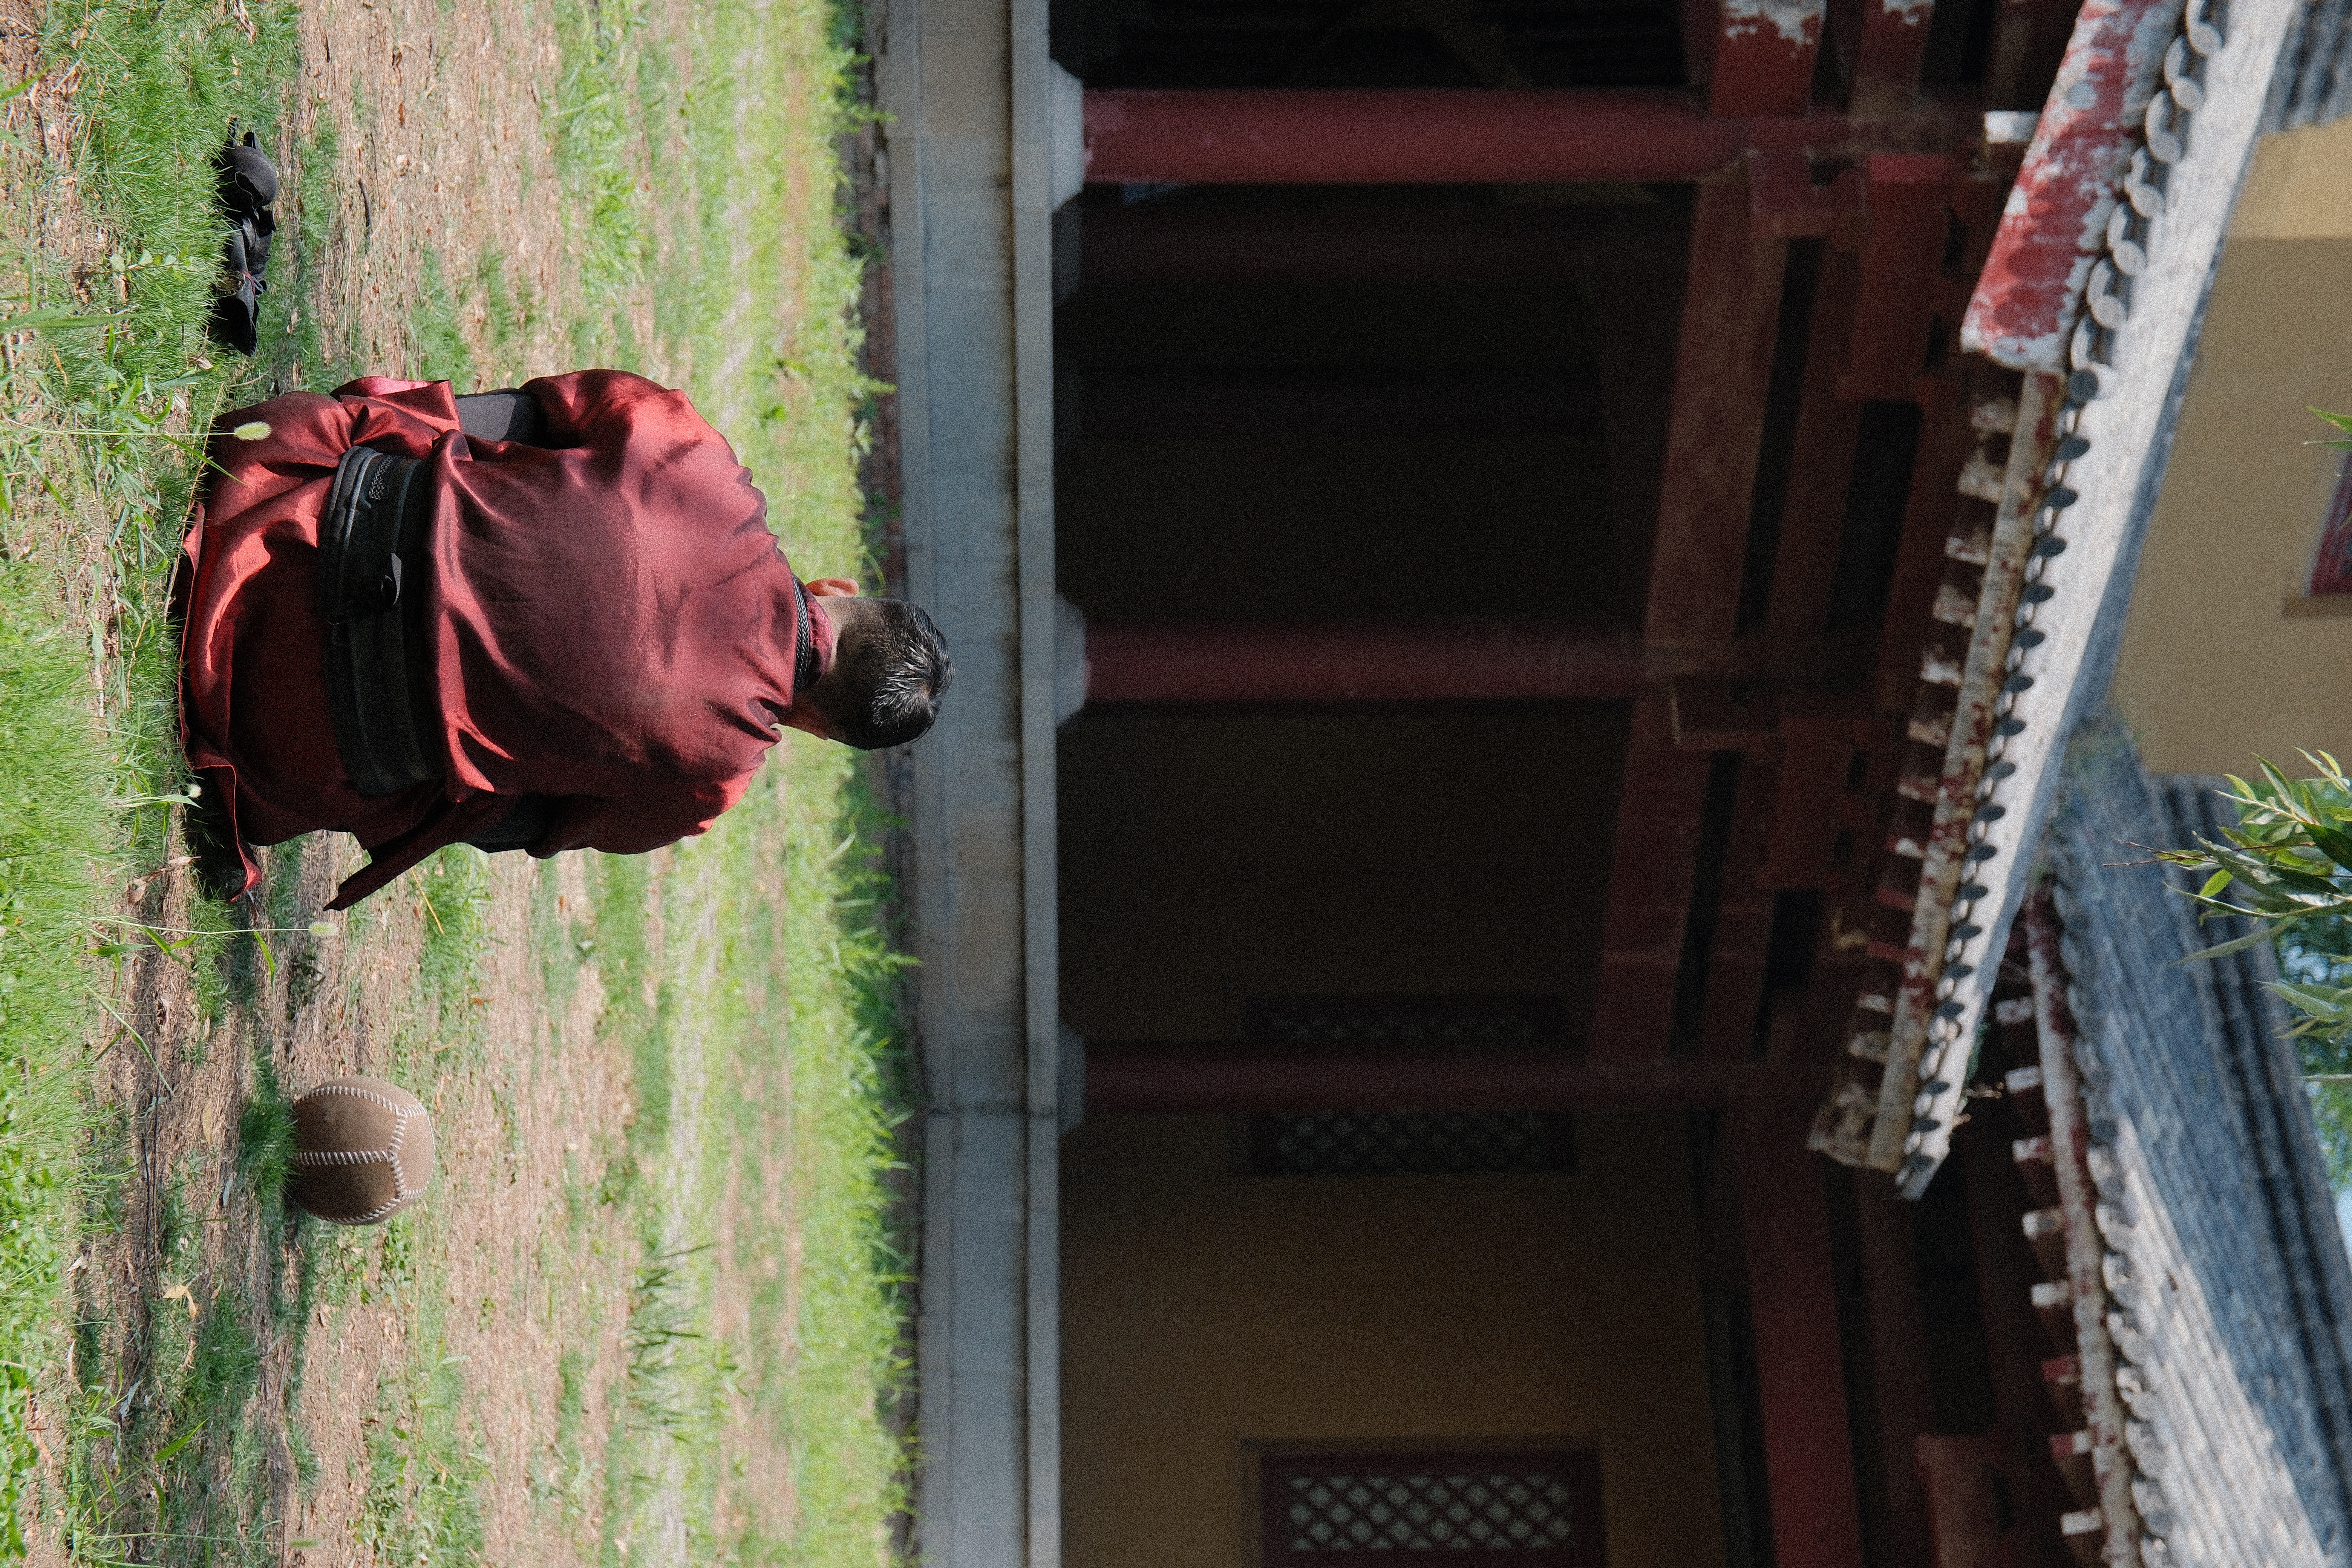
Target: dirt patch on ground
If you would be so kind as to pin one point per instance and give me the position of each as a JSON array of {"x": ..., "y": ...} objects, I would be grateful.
[
  {"x": 434, "y": 116},
  {"x": 521, "y": 1276},
  {"x": 528, "y": 1108}
]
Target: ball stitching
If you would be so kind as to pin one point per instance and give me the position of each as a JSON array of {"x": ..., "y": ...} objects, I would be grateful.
[{"x": 390, "y": 1155}]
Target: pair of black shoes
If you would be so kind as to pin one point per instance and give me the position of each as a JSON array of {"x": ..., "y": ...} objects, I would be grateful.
[{"x": 248, "y": 187}]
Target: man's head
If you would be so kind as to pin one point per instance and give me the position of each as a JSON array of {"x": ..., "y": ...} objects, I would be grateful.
[{"x": 889, "y": 670}]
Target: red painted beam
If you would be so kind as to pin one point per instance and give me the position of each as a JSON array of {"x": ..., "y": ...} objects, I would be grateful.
[
  {"x": 1816, "y": 758},
  {"x": 1400, "y": 661},
  {"x": 1900, "y": 1359},
  {"x": 1431, "y": 135},
  {"x": 1961, "y": 1484},
  {"x": 1169, "y": 1077},
  {"x": 1821, "y": 464},
  {"x": 1373, "y": 237},
  {"x": 2006, "y": 1272},
  {"x": 1651, "y": 865},
  {"x": 1945, "y": 443},
  {"x": 1723, "y": 370},
  {"x": 1238, "y": 403},
  {"x": 1743, "y": 924},
  {"x": 1764, "y": 57},
  {"x": 1910, "y": 201},
  {"x": 2029, "y": 38},
  {"x": 1731, "y": 311}
]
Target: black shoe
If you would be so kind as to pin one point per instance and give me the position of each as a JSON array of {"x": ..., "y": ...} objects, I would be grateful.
[
  {"x": 249, "y": 180},
  {"x": 255, "y": 233},
  {"x": 248, "y": 185},
  {"x": 236, "y": 316}
]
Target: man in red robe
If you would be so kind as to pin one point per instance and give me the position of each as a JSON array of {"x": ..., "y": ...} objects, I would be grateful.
[{"x": 583, "y": 638}]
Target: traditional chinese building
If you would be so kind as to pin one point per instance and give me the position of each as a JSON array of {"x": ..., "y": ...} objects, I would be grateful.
[{"x": 1521, "y": 575}]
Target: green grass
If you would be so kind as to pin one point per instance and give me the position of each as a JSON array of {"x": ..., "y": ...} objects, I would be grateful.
[
  {"x": 54, "y": 827},
  {"x": 87, "y": 726},
  {"x": 442, "y": 353},
  {"x": 455, "y": 888},
  {"x": 704, "y": 1052},
  {"x": 425, "y": 1471},
  {"x": 743, "y": 974}
]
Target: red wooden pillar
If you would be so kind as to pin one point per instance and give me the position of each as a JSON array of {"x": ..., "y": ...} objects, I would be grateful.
[
  {"x": 1187, "y": 662},
  {"x": 1457, "y": 135},
  {"x": 1898, "y": 1343},
  {"x": 1799, "y": 1361}
]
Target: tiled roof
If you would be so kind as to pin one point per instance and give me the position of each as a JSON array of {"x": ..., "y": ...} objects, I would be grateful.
[
  {"x": 2314, "y": 85},
  {"x": 2229, "y": 1296},
  {"x": 2096, "y": 291}
]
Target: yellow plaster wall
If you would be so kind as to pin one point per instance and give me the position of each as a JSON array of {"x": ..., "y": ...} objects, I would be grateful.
[
  {"x": 1202, "y": 1310},
  {"x": 2214, "y": 671}
]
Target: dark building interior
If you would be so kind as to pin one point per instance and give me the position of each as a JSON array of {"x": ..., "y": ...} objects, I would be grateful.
[
  {"x": 1384, "y": 405},
  {"x": 1401, "y": 418}
]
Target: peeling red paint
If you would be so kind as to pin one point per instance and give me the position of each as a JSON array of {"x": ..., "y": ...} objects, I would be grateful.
[
  {"x": 1765, "y": 57},
  {"x": 2050, "y": 232}
]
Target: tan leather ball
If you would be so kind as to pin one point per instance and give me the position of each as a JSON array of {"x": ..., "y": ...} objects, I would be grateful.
[{"x": 363, "y": 1151}]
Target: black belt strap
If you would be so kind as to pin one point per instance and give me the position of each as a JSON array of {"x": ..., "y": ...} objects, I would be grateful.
[
  {"x": 503, "y": 416},
  {"x": 371, "y": 566}
]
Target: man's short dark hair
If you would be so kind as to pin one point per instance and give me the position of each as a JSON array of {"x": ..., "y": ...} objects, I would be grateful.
[{"x": 893, "y": 667}]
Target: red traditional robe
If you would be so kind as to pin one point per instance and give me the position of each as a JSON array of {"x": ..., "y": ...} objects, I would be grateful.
[{"x": 606, "y": 619}]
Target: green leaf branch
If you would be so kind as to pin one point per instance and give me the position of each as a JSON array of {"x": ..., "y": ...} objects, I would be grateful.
[{"x": 2287, "y": 867}]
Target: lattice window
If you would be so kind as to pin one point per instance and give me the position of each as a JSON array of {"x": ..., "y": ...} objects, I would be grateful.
[
  {"x": 1544, "y": 1508},
  {"x": 1411, "y": 1142},
  {"x": 1514, "y": 1020}
]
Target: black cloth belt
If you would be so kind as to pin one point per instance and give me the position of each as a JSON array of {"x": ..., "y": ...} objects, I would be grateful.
[
  {"x": 372, "y": 566},
  {"x": 371, "y": 581}
]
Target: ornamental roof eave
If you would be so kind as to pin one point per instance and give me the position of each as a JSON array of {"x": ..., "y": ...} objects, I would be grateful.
[{"x": 2096, "y": 285}]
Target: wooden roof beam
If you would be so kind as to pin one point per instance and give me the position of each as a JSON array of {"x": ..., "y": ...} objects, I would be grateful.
[{"x": 1730, "y": 321}]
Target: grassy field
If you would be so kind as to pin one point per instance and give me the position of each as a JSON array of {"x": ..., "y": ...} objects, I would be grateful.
[{"x": 650, "y": 1311}]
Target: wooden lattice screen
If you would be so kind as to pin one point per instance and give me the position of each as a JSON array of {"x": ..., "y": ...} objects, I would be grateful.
[
  {"x": 1410, "y": 1143},
  {"x": 1528, "y": 1510}
]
